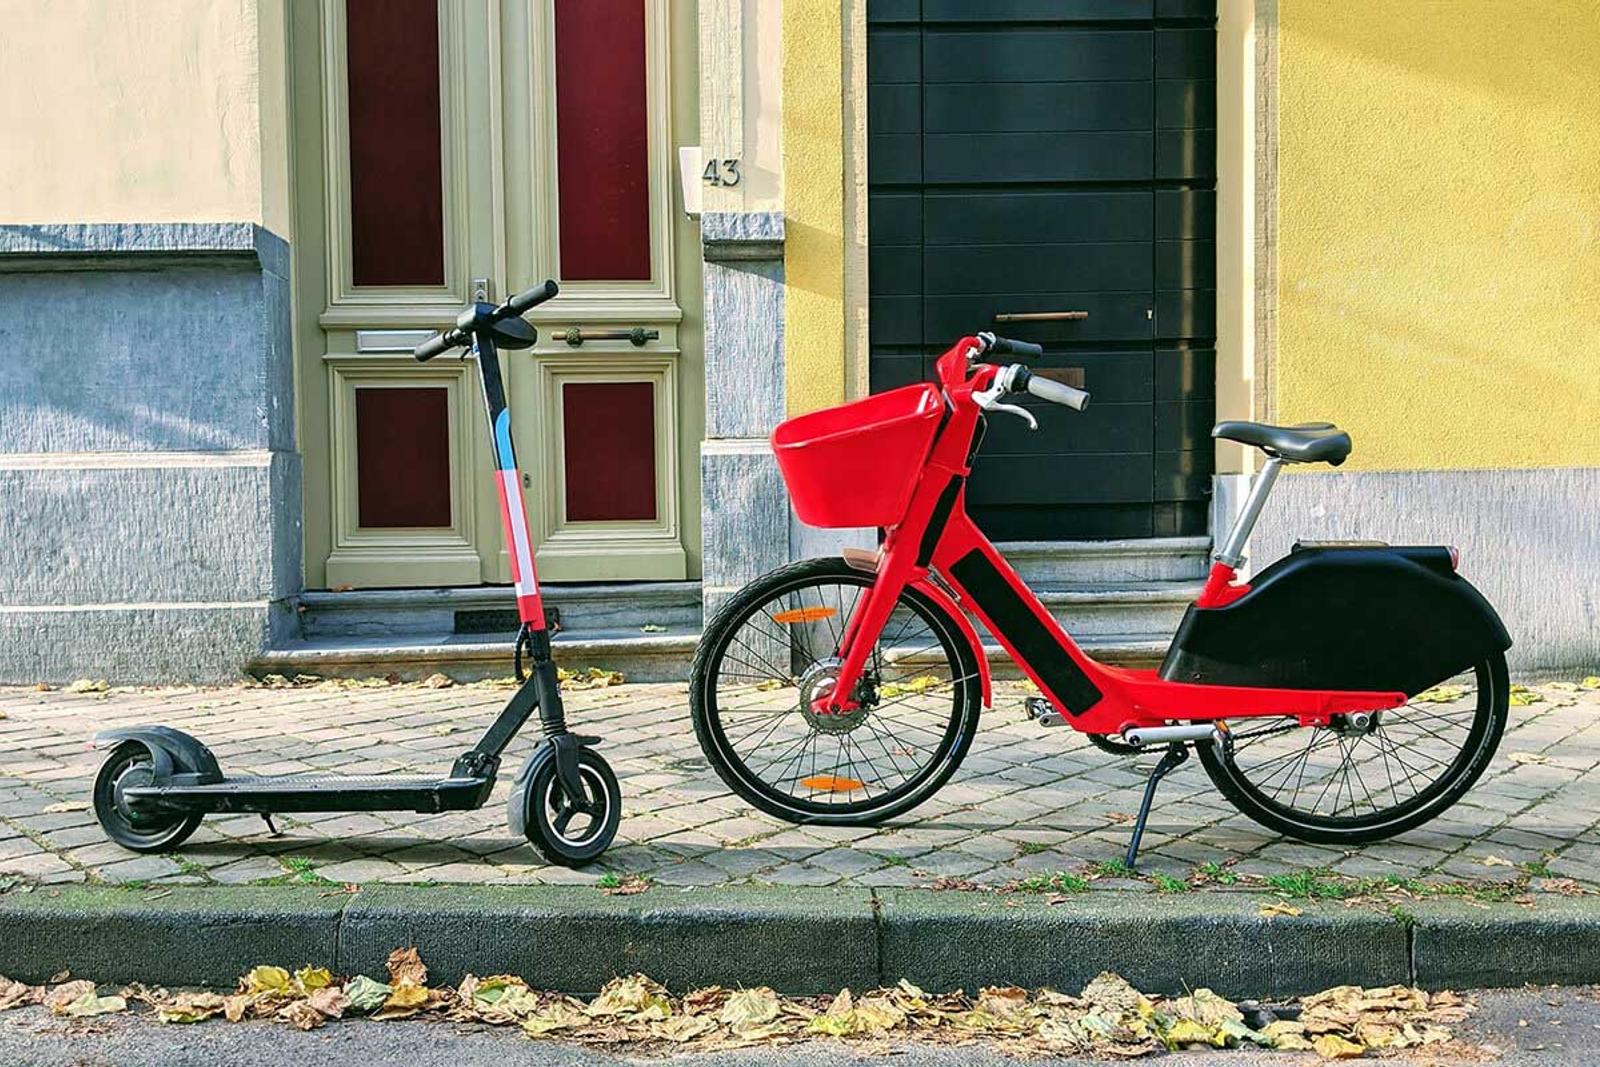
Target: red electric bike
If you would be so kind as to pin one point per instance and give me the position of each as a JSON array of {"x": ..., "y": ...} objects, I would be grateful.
[{"x": 1348, "y": 692}]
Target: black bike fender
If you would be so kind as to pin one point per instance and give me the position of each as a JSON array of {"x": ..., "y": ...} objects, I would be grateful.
[
  {"x": 1379, "y": 618},
  {"x": 173, "y": 751}
]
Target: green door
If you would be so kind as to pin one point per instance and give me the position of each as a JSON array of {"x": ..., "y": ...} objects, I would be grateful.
[{"x": 1045, "y": 169}]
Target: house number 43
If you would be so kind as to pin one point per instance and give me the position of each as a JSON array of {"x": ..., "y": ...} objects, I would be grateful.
[{"x": 721, "y": 172}]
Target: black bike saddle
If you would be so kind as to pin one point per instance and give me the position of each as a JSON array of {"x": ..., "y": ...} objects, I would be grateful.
[{"x": 1309, "y": 442}]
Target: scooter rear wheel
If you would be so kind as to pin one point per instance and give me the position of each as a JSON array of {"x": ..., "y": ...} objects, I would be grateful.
[
  {"x": 1365, "y": 779},
  {"x": 564, "y": 834},
  {"x": 138, "y": 830}
]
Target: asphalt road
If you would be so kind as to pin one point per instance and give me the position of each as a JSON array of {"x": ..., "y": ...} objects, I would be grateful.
[{"x": 1543, "y": 1027}]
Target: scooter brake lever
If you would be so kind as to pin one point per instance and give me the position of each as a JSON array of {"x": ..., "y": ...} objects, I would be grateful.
[{"x": 989, "y": 400}]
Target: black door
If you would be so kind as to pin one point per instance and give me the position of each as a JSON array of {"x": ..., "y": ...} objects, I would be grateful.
[{"x": 1055, "y": 158}]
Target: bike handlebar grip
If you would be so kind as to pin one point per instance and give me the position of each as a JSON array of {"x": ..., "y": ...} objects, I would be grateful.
[
  {"x": 1058, "y": 393},
  {"x": 438, "y": 344},
  {"x": 1006, "y": 346},
  {"x": 529, "y": 299}
]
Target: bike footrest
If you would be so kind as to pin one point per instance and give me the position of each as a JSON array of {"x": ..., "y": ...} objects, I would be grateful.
[{"x": 1041, "y": 711}]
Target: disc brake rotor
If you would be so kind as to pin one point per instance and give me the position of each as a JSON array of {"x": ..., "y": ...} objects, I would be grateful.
[{"x": 817, "y": 682}]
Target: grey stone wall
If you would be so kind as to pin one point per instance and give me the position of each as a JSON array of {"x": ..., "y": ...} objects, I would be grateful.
[
  {"x": 1530, "y": 541},
  {"x": 744, "y": 509},
  {"x": 150, "y": 500}
]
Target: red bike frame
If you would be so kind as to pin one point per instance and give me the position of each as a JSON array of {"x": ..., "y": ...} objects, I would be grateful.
[{"x": 937, "y": 545}]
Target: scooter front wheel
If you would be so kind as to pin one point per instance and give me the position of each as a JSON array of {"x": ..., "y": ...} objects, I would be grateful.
[
  {"x": 132, "y": 827},
  {"x": 573, "y": 831},
  {"x": 1366, "y": 776}
]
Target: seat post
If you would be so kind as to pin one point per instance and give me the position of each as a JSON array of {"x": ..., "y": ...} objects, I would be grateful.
[{"x": 1232, "y": 552}]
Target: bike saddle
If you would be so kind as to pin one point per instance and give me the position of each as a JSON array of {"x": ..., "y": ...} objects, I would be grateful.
[{"x": 1309, "y": 442}]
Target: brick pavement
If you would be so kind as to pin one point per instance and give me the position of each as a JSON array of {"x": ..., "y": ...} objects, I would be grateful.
[{"x": 1026, "y": 801}]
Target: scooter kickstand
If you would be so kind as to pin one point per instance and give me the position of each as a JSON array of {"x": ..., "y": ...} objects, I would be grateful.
[
  {"x": 1177, "y": 752},
  {"x": 272, "y": 831}
]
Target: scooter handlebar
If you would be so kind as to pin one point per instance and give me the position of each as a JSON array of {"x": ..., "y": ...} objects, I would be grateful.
[
  {"x": 529, "y": 299},
  {"x": 438, "y": 344}
]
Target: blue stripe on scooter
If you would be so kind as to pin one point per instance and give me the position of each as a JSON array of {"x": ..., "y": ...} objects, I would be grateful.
[{"x": 502, "y": 441}]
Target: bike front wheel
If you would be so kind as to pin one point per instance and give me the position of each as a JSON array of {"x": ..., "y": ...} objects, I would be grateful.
[
  {"x": 775, "y": 647},
  {"x": 1366, "y": 776}
]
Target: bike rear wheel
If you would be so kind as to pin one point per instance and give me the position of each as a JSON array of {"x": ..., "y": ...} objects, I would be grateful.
[
  {"x": 774, "y": 648},
  {"x": 1369, "y": 776}
]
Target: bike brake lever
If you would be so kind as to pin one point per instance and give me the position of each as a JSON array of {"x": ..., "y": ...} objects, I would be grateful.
[{"x": 989, "y": 400}]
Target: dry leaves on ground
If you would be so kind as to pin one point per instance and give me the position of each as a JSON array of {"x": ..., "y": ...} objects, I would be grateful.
[
  {"x": 593, "y": 678},
  {"x": 1109, "y": 1017}
]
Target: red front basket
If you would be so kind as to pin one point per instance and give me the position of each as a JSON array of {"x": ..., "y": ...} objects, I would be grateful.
[{"x": 857, "y": 464}]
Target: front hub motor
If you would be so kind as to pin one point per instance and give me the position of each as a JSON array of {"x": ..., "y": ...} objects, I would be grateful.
[{"x": 817, "y": 684}]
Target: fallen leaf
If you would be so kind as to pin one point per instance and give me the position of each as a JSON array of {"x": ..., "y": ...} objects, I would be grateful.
[
  {"x": 1496, "y": 861},
  {"x": 1266, "y": 911},
  {"x": 1287, "y": 1035},
  {"x": 748, "y": 1009},
  {"x": 438, "y": 681},
  {"x": 1334, "y": 1047},
  {"x": 1440, "y": 694},
  {"x": 65, "y": 993},
  {"x": 652, "y": 628},
  {"x": 366, "y": 994},
  {"x": 920, "y": 684},
  {"x": 636, "y": 997},
  {"x": 89, "y": 685},
  {"x": 64, "y": 807},
  {"x": 18, "y": 994},
  {"x": 406, "y": 999},
  {"x": 302, "y": 1014},
  {"x": 88, "y": 1004},
  {"x": 1522, "y": 696},
  {"x": 330, "y": 1001},
  {"x": 267, "y": 980},
  {"x": 190, "y": 1008},
  {"x": 593, "y": 678},
  {"x": 311, "y": 979},
  {"x": 406, "y": 966},
  {"x": 1522, "y": 758}
]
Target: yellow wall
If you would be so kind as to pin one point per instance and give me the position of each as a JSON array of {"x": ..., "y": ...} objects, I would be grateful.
[
  {"x": 813, "y": 204},
  {"x": 141, "y": 111},
  {"x": 1439, "y": 210}
]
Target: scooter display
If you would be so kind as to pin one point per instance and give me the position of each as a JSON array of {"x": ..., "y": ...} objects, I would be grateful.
[
  {"x": 156, "y": 784},
  {"x": 1348, "y": 692}
]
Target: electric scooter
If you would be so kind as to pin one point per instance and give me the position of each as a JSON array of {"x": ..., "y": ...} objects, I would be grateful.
[
  {"x": 1346, "y": 693},
  {"x": 156, "y": 783}
]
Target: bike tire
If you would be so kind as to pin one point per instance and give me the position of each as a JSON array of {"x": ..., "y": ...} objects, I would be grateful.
[
  {"x": 1493, "y": 694},
  {"x": 966, "y": 689}
]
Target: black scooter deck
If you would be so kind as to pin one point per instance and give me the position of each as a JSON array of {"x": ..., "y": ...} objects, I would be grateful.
[{"x": 319, "y": 792}]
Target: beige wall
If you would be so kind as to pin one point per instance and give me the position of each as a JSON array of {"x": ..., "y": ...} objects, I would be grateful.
[{"x": 143, "y": 111}]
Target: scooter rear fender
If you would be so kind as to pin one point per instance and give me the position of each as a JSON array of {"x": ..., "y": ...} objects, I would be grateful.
[{"x": 173, "y": 752}]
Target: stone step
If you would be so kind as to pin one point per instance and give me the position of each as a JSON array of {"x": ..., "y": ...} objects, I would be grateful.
[
  {"x": 1045, "y": 564},
  {"x": 640, "y": 657},
  {"x": 1144, "y": 609},
  {"x": 663, "y": 657},
  {"x": 489, "y": 612}
]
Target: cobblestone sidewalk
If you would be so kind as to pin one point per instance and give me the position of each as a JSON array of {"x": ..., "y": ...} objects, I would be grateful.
[{"x": 1026, "y": 801}]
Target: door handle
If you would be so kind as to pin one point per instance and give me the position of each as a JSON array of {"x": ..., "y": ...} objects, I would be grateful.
[
  {"x": 1039, "y": 316},
  {"x": 636, "y": 336}
]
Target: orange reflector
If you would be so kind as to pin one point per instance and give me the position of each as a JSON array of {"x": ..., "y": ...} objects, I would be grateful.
[
  {"x": 805, "y": 614},
  {"x": 830, "y": 783}
]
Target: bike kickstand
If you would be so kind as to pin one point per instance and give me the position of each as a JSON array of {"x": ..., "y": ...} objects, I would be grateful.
[{"x": 1177, "y": 752}]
